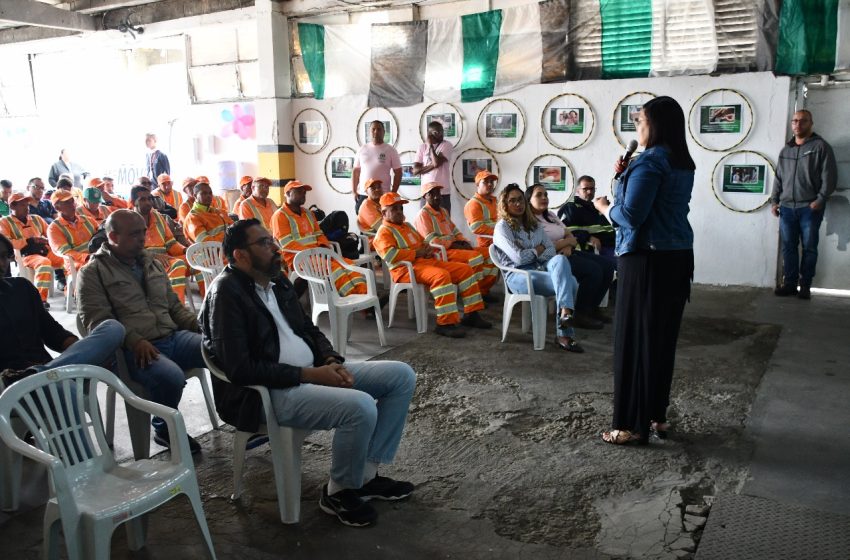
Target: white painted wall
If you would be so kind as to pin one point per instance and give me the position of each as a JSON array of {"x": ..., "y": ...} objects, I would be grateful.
[
  {"x": 830, "y": 109},
  {"x": 731, "y": 248}
]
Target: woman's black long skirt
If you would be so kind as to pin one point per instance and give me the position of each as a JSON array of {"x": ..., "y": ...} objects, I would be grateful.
[{"x": 652, "y": 288}]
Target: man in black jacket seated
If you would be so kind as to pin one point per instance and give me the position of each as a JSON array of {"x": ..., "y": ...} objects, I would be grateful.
[
  {"x": 256, "y": 330},
  {"x": 589, "y": 226}
]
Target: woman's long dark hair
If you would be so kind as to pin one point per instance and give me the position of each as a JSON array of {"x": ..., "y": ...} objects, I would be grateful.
[
  {"x": 529, "y": 192},
  {"x": 667, "y": 128}
]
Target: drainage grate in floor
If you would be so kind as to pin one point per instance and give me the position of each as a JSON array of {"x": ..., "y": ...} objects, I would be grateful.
[{"x": 750, "y": 528}]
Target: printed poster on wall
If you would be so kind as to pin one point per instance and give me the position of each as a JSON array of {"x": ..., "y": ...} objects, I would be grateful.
[
  {"x": 628, "y": 114},
  {"x": 472, "y": 166},
  {"x": 566, "y": 120},
  {"x": 311, "y": 133},
  {"x": 743, "y": 179},
  {"x": 407, "y": 176},
  {"x": 500, "y": 125},
  {"x": 387, "y": 132},
  {"x": 445, "y": 119},
  {"x": 719, "y": 119},
  {"x": 341, "y": 167},
  {"x": 552, "y": 177}
]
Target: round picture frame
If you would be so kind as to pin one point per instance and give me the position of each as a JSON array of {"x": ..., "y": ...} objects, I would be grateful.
[
  {"x": 734, "y": 179},
  {"x": 453, "y": 110},
  {"x": 501, "y": 123},
  {"x": 563, "y": 122},
  {"x": 407, "y": 157},
  {"x": 720, "y": 120},
  {"x": 567, "y": 168},
  {"x": 300, "y": 134},
  {"x": 470, "y": 172},
  {"x": 623, "y": 114},
  {"x": 332, "y": 181},
  {"x": 362, "y": 134}
]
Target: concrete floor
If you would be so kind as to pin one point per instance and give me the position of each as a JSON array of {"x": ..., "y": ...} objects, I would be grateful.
[{"x": 503, "y": 445}]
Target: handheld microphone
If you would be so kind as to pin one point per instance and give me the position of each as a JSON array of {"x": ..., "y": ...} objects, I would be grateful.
[{"x": 632, "y": 147}]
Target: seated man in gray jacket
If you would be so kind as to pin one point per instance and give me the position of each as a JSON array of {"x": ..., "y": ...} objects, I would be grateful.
[{"x": 122, "y": 281}]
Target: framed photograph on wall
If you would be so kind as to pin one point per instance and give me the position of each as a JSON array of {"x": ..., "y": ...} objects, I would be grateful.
[
  {"x": 742, "y": 181},
  {"x": 553, "y": 177},
  {"x": 720, "y": 119},
  {"x": 407, "y": 176},
  {"x": 500, "y": 125},
  {"x": 363, "y": 129},
  {"x": 744, "y": 178},
  {"x": 472, "y": 166},
  {"x": 311, "y": 131},
  {"x": 467, "y": 164},
  {"x": 569, "y": 120},
  {"x": 628, "y": 114},
  {"x": 626, "y": 110},
  {"x": 447, "y": 120},
  {"x": 341, "y": 167}
]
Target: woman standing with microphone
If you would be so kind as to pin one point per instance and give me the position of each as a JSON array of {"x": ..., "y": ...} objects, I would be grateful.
[{"x": 654, "y": 245}]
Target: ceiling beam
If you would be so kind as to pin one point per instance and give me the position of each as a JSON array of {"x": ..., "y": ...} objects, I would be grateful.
[{"x": 39, "y": 14}]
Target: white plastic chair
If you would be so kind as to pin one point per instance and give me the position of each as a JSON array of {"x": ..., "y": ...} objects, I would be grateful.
[
  {"x": 370, "y": 257},
  {"x": 208, "y": 257},
  {"x": 138, "y": 421},
  {"x": 70, "y": 284},
  {"x": 534, "y": 307},
  {"x": 90, "y": 493},
  {"x": 316, "y": 267},
  {"x": 27, "y": 272},
  {"x": 10, "y": 471},
  {"x": 416, "y": 303},
  {"x": 285, "y": 445}
]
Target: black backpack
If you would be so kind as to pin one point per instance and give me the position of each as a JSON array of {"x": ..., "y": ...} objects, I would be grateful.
[{"x": 335, "y": 228}]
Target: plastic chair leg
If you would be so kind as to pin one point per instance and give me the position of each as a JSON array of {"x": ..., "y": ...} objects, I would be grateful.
[
  {"x": 50, "y": 534},
  {"x": 394, "y": 291},
  {"x": 10, "y": 486},
  {"x": 110, "y": 417},
  {"x": 140, "y": 432},
  {"x": 420, "y": 309},
  {"x": 379, "y": 320},
  {"x": 538, "y": 322},
  {"x": 411, "y": 303},
  {"x": 527, "y": 316},
  {"x": 287, "y": 470},
  {"x": 239, "y": 441},
  {"x": 194, "y": 496},
  {"x": 507, "y": 311},
  {"x": 204, "y": 380},
  {"x": 136, "y": 531}
]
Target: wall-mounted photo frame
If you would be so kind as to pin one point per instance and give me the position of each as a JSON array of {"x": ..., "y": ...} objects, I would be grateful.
[
  {"x": 339, "y": 165},
  {"x": 410, "y": 183},
  {"x": 556, "y": 173},
  {"x": 742, "y": 181},
  {"x": 625, "y": 112},
  {"x": 449, "y": 116},
  {"x": 386, "y": 117},
  {"x": 721, "y": 119},
  {"x": 501, "y": 126},
  {"x": 467, "y": 164},
  {"x": 567, "y": 121},
  {"x": 311, "y": 131}
]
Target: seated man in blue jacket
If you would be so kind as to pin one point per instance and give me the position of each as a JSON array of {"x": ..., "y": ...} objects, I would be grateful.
[
  {"x": 591, "y": 228},
  {"x": 257, "y": 332}
]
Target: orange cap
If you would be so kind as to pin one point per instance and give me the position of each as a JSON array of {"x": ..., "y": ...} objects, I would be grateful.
[
  {"x": 162, "y": 178},
  {"x": 262, "y": 180},
  {"x": 481, "y": 175},
  {"x": 61, "y": 195},
  {"x": 246, "y": 180},
  {"x": 95, "y": 182},
  {"x": 19, "y": 197},
  {"x": 189, "y": 181},
  {"x": 391, "y": 198},
  {"x": 428, "y": 187},
  {"x": 371, "y": 182},
  {"x": 292, "y": 185}
]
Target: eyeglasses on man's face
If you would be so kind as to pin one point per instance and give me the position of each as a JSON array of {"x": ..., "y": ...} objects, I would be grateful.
[{"x": 267, "y": 242}]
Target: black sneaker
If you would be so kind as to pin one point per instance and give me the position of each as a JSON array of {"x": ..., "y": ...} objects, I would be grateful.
[
  {"x": 161, "y": 438},
  {"x": 785, "y": 291},
  {"x": 46, "y": 305},
  {"x": 805, "y": 292},
  {"x": 384, "y": 488},
  {"x": 9, "y": 376},
  {"x": 348, "y": 507},
  {"x": 451, "y": 331},
  {"x": 476, "y": 321}
]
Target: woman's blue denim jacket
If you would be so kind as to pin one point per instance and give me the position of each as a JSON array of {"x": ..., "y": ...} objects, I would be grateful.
[{"x": 650, "y": 209}]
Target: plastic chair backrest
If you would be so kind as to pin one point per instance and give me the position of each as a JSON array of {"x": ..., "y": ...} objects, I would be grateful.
[
  {"x": 208, "y": 257},
  {"x": 316, "y": 266}
]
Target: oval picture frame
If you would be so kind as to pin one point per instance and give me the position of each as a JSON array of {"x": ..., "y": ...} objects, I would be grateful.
[
  {"x": 330, "y": 171},
  {"x": 735, "y": 180},
  {"x": 559, "y": 120},
  {"x": 407, "y": 157},
  {"x": 434, "y": 109},
  {"x": 622, "y": 116},
  {"x": 566, "y": 168},
  {"x": 501, "y": 123},
  {"x": 707, "y": 122},
  {"x": 470, "y": 172},
  {"x": 362, "y": 134},
  {"x": 300, "y": 135}
]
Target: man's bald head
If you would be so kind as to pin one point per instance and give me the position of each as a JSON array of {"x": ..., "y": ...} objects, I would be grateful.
[
  {"x": 126, "y": 231},
  {"x": 118, "y": 220}
]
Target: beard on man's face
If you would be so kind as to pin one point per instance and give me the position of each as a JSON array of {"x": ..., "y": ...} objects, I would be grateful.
[{"x": 270, "y": 268}]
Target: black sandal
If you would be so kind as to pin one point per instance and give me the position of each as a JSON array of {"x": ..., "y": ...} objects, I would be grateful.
[{"x": 571, "y": 346}]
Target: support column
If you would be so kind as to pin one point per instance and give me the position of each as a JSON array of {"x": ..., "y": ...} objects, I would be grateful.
[{"x": 275, "y": 151}]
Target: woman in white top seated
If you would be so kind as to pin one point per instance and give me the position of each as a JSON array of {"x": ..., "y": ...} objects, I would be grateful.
[
  {"x": 594, "y": 273},
  {"x": 522, "y": 243}
]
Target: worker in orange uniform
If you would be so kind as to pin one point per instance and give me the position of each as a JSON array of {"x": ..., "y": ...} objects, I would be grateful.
[
  {"x": 160, "y": 242},
  {"x": 107, "y": 189},
  {"x": 70, "y": 233},
  {"x": 259, "y": 205},
  {"x": 166, "y": 191},
  {"x": 218, "y": 202},
  {"x": 203, "y": 222},
  {"x": 28, "y": 234},
  {"x": 369, "y": 216},
  {"x": 92, "y": 203},
  {"x": 188, "y": 190},
  {"x": 296, "y": 229},
  {"x": 398, "y": 241},
  {"x": 436, "y": 226},
  {"x": 480, "y": 212},
  {"x": 245, "y": 189}
]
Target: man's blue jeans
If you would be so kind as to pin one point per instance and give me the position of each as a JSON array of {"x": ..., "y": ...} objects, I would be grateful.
[
  {"x": 96, "y": 349},
  {"x": 165, "y": 377},
  {"x": 796, "y": 226},
  {"x": 364, "y": 430},
  {"x": 557, "y": 280}
]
